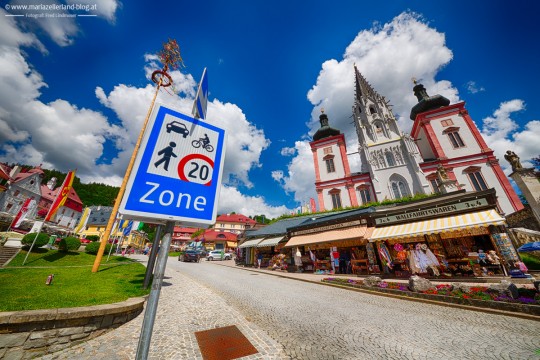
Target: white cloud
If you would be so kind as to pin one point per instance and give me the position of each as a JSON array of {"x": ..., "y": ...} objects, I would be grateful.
[
  {"x": 502, "y": 133},
  {"x": 288, "y": 151},
  {"x": 473, "y": 88},
  {"x": 388, "y": 56},
  {"x": 300, "y": 178},
  {"x": 104, "y": 8},
  {"x": 233, "y": 200}
]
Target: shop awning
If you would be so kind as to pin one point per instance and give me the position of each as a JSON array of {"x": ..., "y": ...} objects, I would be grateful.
[
  {"x": 441, "y": 225},
  {"x": 270, "y": 241},
  {"x": 357, "y": 232},
  {"x": 250, "y": 243},
  {"x": 231, "y": 244}
]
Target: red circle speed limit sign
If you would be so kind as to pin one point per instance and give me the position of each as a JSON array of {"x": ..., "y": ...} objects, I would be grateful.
[{"x": 196, "y": 168}]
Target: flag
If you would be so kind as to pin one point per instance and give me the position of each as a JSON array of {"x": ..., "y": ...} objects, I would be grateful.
[
  {"x": 140, "y": 226},
  {"x": 83, "y": 221},
  {"x": 313, "y": 206},
  {"x": 201, "y": 99},
  {"x": 128, "y": 228},
  {"x": 61, "y": 196},
  {"x": 26, "y": 207}
]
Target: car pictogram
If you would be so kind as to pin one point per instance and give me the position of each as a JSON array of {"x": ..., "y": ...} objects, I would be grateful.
[{"x": 177, "y": 127}]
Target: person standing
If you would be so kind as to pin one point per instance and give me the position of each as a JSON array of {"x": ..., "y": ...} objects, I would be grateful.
[{"x": 259, "y": 259}]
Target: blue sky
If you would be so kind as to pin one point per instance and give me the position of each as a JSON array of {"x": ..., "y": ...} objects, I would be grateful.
[{"x": 74, "y": 91}]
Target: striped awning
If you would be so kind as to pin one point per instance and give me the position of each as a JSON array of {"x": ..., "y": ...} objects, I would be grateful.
[
  {"x": 441, "y": 225},
  {"x": 270, "y": 241},
  {"x": 352, "y": 233},
  {"x": 250, "y": 243}
]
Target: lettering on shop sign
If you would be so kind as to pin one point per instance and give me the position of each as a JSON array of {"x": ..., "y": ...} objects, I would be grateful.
[
  {"x": 447, "y": 209},
  {"x": 328, "y": 227}
]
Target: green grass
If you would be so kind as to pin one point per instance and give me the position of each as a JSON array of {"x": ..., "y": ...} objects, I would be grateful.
[
  {"x": 74, "y": 284},
  {"x": 175, "y": 253},
  {"x": 532, "y": 262}
]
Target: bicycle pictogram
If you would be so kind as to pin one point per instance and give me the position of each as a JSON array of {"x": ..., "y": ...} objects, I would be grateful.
[{"x": 204, "y": 142}]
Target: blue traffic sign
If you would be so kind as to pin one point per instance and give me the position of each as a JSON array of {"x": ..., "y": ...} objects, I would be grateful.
[{"x": 177, "y": 172}]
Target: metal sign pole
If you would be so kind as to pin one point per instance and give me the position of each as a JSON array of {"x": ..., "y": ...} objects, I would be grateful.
[
  {"x": 151, "y": 307},
  {"x": 152, "y": 257}
]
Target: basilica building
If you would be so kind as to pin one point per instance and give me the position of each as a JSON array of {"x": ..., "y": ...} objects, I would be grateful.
[{"x": 445, "y": 152}]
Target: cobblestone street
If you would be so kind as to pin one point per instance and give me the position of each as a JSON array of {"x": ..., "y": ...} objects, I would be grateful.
[{"x": 289, "y": 319}]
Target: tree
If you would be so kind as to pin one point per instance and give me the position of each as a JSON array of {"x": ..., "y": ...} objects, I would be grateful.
[{"x": 536, "y": 163}]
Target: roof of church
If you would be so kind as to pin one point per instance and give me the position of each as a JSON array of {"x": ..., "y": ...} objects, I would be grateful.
[
  {"x": 325, "y": 130},
  {"x": 426, "y": 102}
]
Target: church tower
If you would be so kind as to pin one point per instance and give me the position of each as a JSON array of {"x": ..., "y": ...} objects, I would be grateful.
[
  {"x": 335, "y": 185},
  {"x": 390, "y": 158},
  {"x": 451, "y": 144}
]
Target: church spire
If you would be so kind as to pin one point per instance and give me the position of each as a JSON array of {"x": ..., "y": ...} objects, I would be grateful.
[
  {"x": 325, "y": 130},
  {"x": 363, "y": 88}
]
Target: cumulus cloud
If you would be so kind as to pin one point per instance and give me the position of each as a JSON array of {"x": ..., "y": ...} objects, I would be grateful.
[
  {"x": 502, "y": 133},
  {"x": 388, "y": 56},
  {"x": 233, "y": 200},
  {"x": 300, "y": 178},
  {"x": 63, "y": 136}
]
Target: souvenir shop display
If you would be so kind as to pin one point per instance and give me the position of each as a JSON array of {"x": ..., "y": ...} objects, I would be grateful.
[
  {"x": 384, "y": 255},
  {"x": 373, "y": 267},
  {"x": 278, "y": 262},
  {"x": 422, "y": 260}
]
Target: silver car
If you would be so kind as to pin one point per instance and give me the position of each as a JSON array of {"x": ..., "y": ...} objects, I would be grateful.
[{"x": 218, "y": 255}]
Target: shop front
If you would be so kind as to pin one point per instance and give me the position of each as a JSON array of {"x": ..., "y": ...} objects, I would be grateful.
[
  {"x": 270, "y": 252},
  {"x": 246, "y": 250},
  {"x": 336, "y": 248},
  {"x": 456, "y": 236}
]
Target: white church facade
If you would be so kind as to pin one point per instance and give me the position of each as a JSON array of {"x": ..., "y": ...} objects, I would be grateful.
[{"x": 445, "y": 152}]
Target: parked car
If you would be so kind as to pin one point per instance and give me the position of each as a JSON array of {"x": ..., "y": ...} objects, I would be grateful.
[
  {"x": 218, "y": 255},
  {"x": 191, "y": 255}
]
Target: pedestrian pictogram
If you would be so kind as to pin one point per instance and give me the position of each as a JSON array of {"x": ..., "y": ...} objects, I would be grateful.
[
  {"x": 177, "y": 175},
  {"x": 166, "y": 152}
]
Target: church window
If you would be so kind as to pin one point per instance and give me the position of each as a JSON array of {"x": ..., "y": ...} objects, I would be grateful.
[
  {"x": 372, "y": 110},
  {"x": 400, "y": 189},
  {"x": 390, "y": 159},
  {"x": 477, "y": 181},
  {"x": 336, "y": 199},
  {"x": 327, "y": 150},
  {"x": 330, "y": 165},
  {"x": 455, "y": 139}
]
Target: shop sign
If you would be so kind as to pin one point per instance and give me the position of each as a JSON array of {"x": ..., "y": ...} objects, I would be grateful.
[
  {"x": 440, "y": 210},
  {"x": 326, "y": 228}
]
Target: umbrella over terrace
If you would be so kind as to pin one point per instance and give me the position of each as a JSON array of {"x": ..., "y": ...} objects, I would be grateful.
[{"x": 532, "y": 246}]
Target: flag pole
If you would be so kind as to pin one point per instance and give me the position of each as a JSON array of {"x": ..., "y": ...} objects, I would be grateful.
[
  {"x": 170, "y": 57},
  {"x": 46, "y": 216}
]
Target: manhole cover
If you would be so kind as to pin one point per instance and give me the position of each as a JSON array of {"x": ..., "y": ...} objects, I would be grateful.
[{"x": 225, "y": 343}]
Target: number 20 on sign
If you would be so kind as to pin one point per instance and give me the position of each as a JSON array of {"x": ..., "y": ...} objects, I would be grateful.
[{"x": 177, "y": 173}]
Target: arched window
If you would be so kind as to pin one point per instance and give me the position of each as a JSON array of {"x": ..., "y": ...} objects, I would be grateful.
[
  {"x": 399, "y": 187},
  {"x": 390, "y": 159},
  {"x": 476, "y": 178},
  {"x": 372, "y": 110}
]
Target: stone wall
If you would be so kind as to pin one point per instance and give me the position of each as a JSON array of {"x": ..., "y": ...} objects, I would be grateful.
[{"x": 28, "y": 334}]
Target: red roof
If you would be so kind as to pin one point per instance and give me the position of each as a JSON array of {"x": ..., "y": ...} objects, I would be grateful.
[
  {"x": 213, "y": 235},
  {"x": 179, "y": 229},
  {"x": 235, "y": 218},
  {"x": 51, "y": 195}
]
